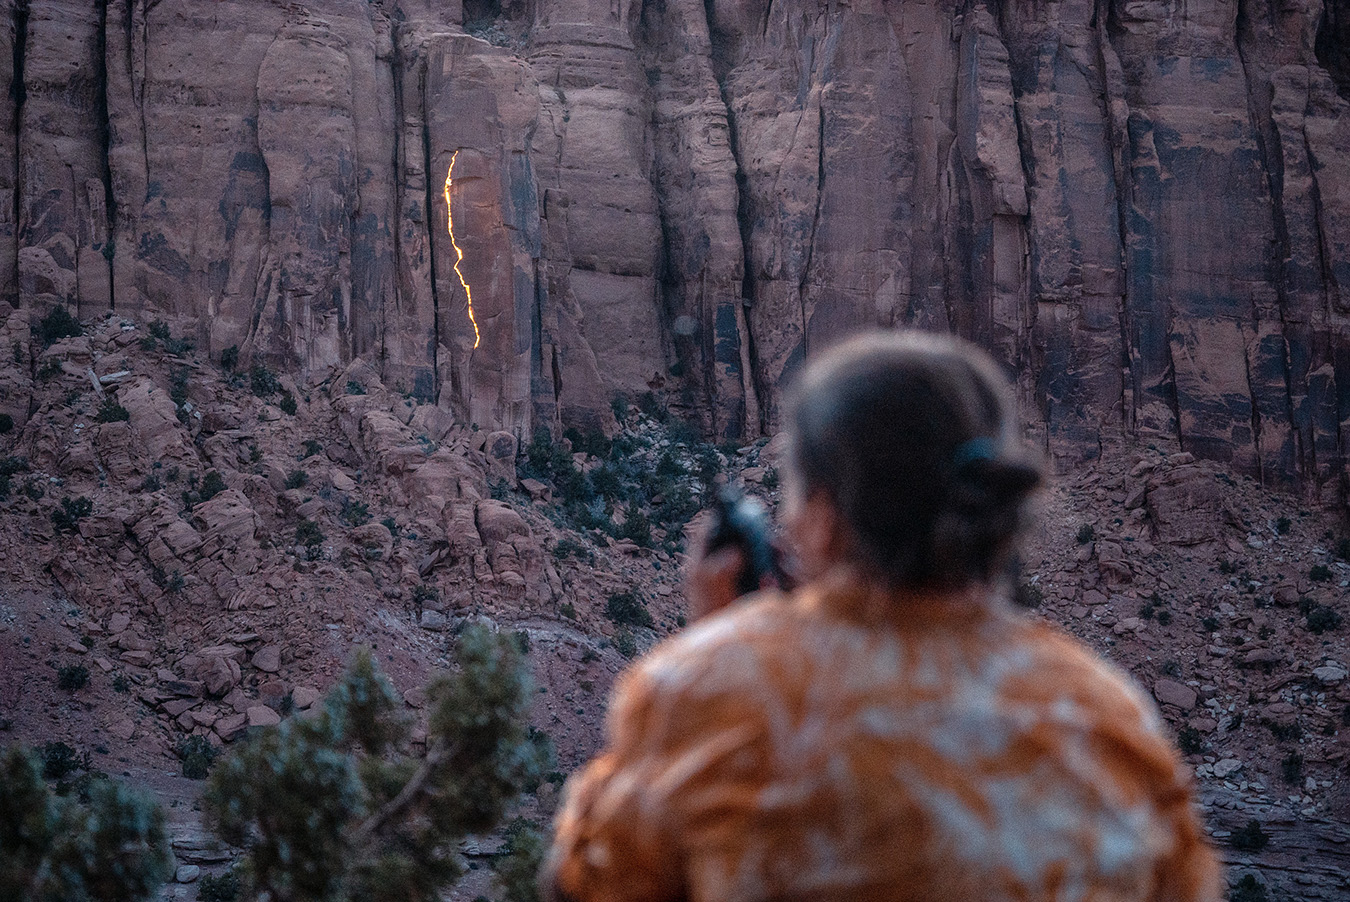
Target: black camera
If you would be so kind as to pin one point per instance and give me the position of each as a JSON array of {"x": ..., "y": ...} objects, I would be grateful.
[{"x": 743, "y": 523}]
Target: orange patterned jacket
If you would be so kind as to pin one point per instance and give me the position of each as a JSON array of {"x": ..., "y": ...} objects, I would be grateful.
[{"x": 832, "y": 745}]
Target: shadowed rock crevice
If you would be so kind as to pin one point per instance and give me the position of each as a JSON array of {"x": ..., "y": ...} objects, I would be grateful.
[
  {"x": 1333, "y": 44},
  {"x": 14, "y": 99}
]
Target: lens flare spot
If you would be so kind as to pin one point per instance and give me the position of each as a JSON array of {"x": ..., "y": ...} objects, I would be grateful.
[{"x": 459, "y": 254}]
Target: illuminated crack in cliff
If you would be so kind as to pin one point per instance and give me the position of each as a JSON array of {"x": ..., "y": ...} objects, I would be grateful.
[{"x": 459, "y": 254}]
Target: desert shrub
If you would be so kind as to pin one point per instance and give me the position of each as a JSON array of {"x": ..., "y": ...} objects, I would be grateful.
[
  {"x": 568, "y": 610},
  {"x": 263, "y": 381},
  {"x": 709, "y": 463},
  {"x": 159, "y": 333},
  {"x": 652, "y": 406},
  {"x": 173, "y": 583},
  {"x": 605, "y": 482},
  {"x": 592, "y": 441},
  {"x": 522, "y": 640},
  {"x": 1086, "y": 533},
  {"x": 355, "y": 388},
  {"x": 423, "y": 594},
  {"x": 1249, "y": 838},
  {"x": 229, "y": 358},
  {"x": 1285, "y": 732},
  {"x": 1248, "y": 889},
  {"x": 771, "y": 478},
  {"x": 212, "y": 485},
  {"x": 1283, "y": 525},
  {"x": 522, "y": 855},
  {"x": 568, "y": 547},
  {"x": 197, "y": 755},
  {"x": 308, "y": 533},
  {"x": 540, "y": 453},
  {"x": 1320, "y": 573},
  {"x": 678, "y": 506},
  {"x": 1291, "y": 768},
  {"x": 310, "y": 448},
  {"x": 627, "y": 609},
  {"x": 60, "y": 760},
  {"x": 72, "y": 677},
  {"x": 106, "y": 843},
  {"x": 1028, "y": 595},
  {"x": 67, "y": 517},
  {"x": 151, "y": 483},
  {"x": 296, "y": 479},
  {"x": 573, "y": 486},
  {"x": 329, "y": 807},
  {"x": 112, "y": 412},
  {"x": 624, "y": 643},
  {"x": 637, "y": 527},
  {"x": 120, "y": 683},
  {"x": 1190, "y": 741},
  {"x": 178, "y": 387},
  {"x": 355, "y": 513},
  {"x": 9, "y": 466},
  {"x": 56, "y": 325},
  {"x": 618, "y": 405},
  {"x": 1320, "y": 618},
  {"x": 218, "y": 888},
  {"x": 287, "y": 404},
  {"x": 6, "y": 424}
]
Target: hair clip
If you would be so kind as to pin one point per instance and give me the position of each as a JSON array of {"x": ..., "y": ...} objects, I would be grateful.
[{"x": 971, "y": 450}]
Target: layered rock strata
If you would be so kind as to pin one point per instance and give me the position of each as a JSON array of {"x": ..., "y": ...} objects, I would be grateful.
[{"x": 1143, "y": 208}]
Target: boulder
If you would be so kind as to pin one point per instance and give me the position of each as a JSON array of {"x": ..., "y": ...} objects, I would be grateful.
[
  {"x": 267, "y": 659},
  {"x": 305, "y": 697},
  {"x": 1330, "y": 674},
  {"x": 1170, "y": 692},
  {"x": 1188, "y": 505},
  {"x": 231, "y": 726},
  {"x": 262, "y": 716}
]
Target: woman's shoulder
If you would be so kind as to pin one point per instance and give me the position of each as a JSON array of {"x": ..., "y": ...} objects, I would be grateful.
[
  {"x": 1064, "y": 669},
  {"x": 708, "y": 677},
  {"x": 707, "y": 650}
]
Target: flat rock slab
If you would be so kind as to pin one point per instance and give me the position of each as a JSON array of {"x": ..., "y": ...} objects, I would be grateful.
[
  {"x": 262, "y": 716},
  {"x": 1170, "y": 692}
]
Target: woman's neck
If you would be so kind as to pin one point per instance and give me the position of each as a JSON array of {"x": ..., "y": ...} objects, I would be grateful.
[{"x": 845, "y": 590}]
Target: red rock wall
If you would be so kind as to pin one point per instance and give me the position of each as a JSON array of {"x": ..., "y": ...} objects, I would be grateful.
[{"x": 1142, "y": 207}]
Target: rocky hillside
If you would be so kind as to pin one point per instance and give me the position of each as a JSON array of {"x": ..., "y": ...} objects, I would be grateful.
[
  {"x": 192, "y": 549},
  {"x": 518, "y": 208},
  {"x": 209, "y": 530}
]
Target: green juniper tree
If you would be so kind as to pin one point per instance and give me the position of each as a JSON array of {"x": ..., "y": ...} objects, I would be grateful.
[
  {"x": 331, "y": 809},
  {"x": 105, "y": 844}
]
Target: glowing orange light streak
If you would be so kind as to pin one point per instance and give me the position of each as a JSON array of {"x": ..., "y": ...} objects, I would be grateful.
[{"x": 450, "y": 225}]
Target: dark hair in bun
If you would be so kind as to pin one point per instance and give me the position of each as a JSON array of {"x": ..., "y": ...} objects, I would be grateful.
[{"x": 911, "y": 436}]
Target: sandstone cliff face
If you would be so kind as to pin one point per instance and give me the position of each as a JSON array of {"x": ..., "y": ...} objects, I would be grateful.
[{"x": 1142, "y": 207}]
